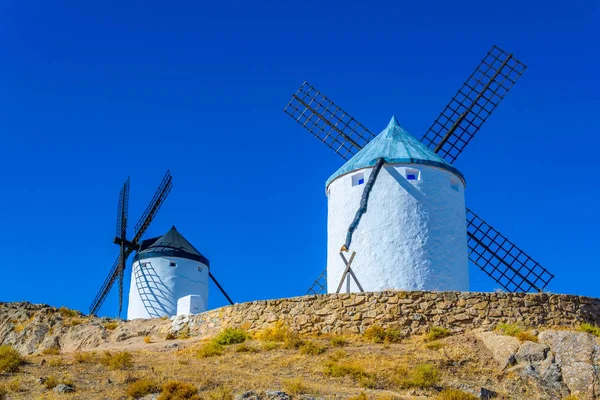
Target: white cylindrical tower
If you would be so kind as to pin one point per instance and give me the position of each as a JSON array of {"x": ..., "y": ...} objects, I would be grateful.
[
  {"x": 413, "y": 235},
  {"x": 163, "y": 271}
]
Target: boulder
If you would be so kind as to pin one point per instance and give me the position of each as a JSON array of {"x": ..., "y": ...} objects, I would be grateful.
[
  {"x": 62, "y": 388},
  {"x": 575, "y": 353},
  {"x": 532, "y": 352},
  {"x": 502, "y": 347}
]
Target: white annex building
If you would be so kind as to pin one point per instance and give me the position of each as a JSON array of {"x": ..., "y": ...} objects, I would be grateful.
[
  {"x": 413, "y": 234},
  {"x": 169, "y": 276}
]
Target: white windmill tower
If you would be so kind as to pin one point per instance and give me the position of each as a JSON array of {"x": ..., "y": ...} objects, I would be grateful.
[{"x": 412, "y": 236}]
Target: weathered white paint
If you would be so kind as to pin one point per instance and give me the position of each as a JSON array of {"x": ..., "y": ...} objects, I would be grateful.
[
  {"x": 192, "y": 304},
  {"x": 412, "y": 237},
  {"x": 156, "y": 285}
]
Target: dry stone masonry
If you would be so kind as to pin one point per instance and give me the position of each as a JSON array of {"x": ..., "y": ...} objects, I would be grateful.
[{"x": 410, "y": 312}]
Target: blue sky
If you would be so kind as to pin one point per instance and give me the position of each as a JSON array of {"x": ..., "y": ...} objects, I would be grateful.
[{"x": 93, "y": 93}]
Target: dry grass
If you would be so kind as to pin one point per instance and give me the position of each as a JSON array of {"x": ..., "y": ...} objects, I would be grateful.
[
  {"x": 210, "y": 349},
  {"x": 589, "y": 328},
  {"x": 10, "y": 359},
  {"x": 3, "y": 393},
  {"x": 437, "y": 333},
  {"x": 176, "y": 390},
  {"x": 509, "y": 329},
  {"x": 73, "y": 322},
  {"x": 67, "y": 312},
  {"x": 526, "y": 335},
  {"x": 111, "y": 326},
  {"x": 147, "y": 339},
  {"x": 117, "y": 361},
  {"x": 311, "y": 349},
  {"x": 377, "y": 334},
  {"x": 51, "y": 351},
  {"x": 295, "y": 386},
  {"x": 19, "y": 328},
  {"x": 85, "y": 357},
  {"x": 142, "y": 387},
  {"x": 338, "y": 341},
  {"x": 230, "y": 336},
  {"x": 454, "y": 394}
]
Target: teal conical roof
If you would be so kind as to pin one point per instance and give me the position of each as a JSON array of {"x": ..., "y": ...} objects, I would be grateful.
[{"x": 397, "y": 146}]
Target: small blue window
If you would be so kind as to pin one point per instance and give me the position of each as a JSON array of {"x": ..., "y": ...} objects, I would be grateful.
[
  {"x": 358, "y": 179},
  {"x": 411, "y": 177},
  {"x": 361, "y": 181}
]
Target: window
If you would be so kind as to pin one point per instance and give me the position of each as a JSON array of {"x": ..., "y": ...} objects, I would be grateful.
[
  {"x": 412, "y": 174},
  {"x": 200, "y": 268},
  {"x": 454, "y": 184},
  {"x": 172, "y": 264},
  {"x": 358, "y": 179}
]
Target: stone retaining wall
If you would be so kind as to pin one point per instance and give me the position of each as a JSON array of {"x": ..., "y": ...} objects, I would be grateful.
[{"x": 411, "y": 312}]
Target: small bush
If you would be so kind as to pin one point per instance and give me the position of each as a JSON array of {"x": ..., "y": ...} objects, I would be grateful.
[
  {"x": 14, "y": 385},
  {"x": 210, "y": 349},
  {"x": 51, "y": 382},
  {"x": 311, "y": 349},
  {"x": 268, "y": 346},
  {"x": 220, "y": 393},
  {"x": 67, "y": 312},
  {"x": 51, "y": 351},
  {"x": 19, "y": 328},
  {"x": 377, "y": 334},
  {"x": 73, "y": 322},
  {"x": 231, "y": 336},
  {"x": 292, "y": 341},
  {"x": 454, "y": 394},
  {"x": 171, "y": 336},
  {"x": 175, "y": 390},
  {"x": 147, "y": 339},
  {"x": 184, "y": 333},
  {"x": 3, "y": 393},
  {"x": 295, "y": 386},
  {"x": 339, "y": 341},
  {"x": 523, "y": 336},
  {"x": 509, "y": 329},
  {"x": 589, "y": 328},
  {"x": 277, "y": 333},
  {"x": 55, "y": 362},
  {"x": 141, "y": 388},
  {"x": 244, "y": 348},
  {"x": 86, "y": 357},
  {"x": 421, "y": 376},
  {"x": 437, "y": 333},
  {"x": 351, "y": 369},
  {"x": 111, "y": 326},
  {"x": 361, "y": 396},
  {"x": 120, "y": 360},
  {"x": 433, "y": 345},
  {"x": 10, "y": 359}
]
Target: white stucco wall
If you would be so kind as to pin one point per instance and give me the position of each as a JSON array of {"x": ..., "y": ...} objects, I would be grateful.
[
  {"x": 156, "y": 286},
  {"x": 412, "y": 237}
]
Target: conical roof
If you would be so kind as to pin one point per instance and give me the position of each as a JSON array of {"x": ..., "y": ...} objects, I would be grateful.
[
  {"x": 171, "y": 244},
  {"x": 397, "y": 146}
]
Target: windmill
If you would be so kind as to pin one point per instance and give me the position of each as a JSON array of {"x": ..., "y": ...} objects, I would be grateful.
[
  {"x": 129, "y": 246},
  {"x": 447, "y": 137}
]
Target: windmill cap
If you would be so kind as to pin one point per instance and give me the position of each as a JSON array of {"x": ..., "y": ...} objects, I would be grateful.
[
  {"x": 171, "y": 244},
  {"x": 396, "y": 146}
]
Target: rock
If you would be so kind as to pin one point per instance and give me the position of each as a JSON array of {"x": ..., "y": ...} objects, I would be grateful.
[
  {"x": 307, "y": 397},
  {"x": 277, "y": 395},
  {"x": 41, "y": 380},
  {"x": 486, "y": 394},
  {"x": 530, "y": 351},
  {"x": 250, "y": 395},
  {"x": 503, "y": 348},
  {"x": 575, "y": 353},
  {"x": 62, "y": 388}
]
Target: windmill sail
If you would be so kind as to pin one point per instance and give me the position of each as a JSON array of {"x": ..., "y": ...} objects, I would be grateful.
[
  {"x": 473, "y": 104},
  {"x": 502, "y": 260},
  {"x": 327, "y": 121}
]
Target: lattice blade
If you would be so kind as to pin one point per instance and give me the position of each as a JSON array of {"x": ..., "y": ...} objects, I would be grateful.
[
  {"x": 502, "y": 260},
  {"x": 122, "y": 211},
  {"x": 159, "y": 198},
  {"x": 327, "y": 121},
  {"x": 320, "y": 285},
  {"x": 473, "y": 103},
  {"x": 108, "y": 282}
]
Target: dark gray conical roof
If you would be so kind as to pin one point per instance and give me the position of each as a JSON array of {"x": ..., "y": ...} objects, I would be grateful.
[{"x": 171, "y": 244}]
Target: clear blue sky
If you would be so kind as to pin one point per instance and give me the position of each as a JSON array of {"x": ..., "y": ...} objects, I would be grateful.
[{"x": 93, "y": 93}]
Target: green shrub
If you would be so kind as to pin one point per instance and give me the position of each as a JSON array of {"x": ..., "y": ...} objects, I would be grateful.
[
  {"x": 295, "y": 386},
  {"x": 339, "y": 341},
  {"x": 589, "y": 328},
  {"x": 341, "y": 369},
  {"x": 210, "y": 349},
  {"x": 454, "y": 394},
  {"x": 10, "y": 359},
  {"x": 509, "y": 329},
  {"x": 3, "y": 393},
  {"x": 377, "y": 334},
  {"x": 220, "y": 393},
  {"x": 50, "y": 382},
  {"x": 119, "y": 360},
  {"x": 277, "y": 333},
  {"x": 175, "y": 390},
  {"x": 421, "y": 376},
  {"x": 292, "y": 341},
  {"x": 437, "y": 333},
  {"x": 231, "y": 336},
  {"x": 311, "y": 349},
  {"x": 141, "y": 388},
  {"x": 433, "y": 346},
  {"x": 244, "y": 348}
]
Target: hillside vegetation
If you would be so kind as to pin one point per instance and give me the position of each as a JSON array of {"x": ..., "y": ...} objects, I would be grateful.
[{"x": 150, "y": 361}]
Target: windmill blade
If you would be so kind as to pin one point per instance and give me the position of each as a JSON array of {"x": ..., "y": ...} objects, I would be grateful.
[
  {"x": 502, "y": 260},
  {"x": 320, "y": 285},
  {"x": 122, "y": 211},
  {"x": 327, "y": 121},
  {"x": 157, "y": 201},
  {"x": 220, "y": 287},
  {"x": 108, "y": 282},
  {"x": 473, "y": 103}
]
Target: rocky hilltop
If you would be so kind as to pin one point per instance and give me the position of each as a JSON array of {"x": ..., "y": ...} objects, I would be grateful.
[{"x": 392, "y": 345}]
